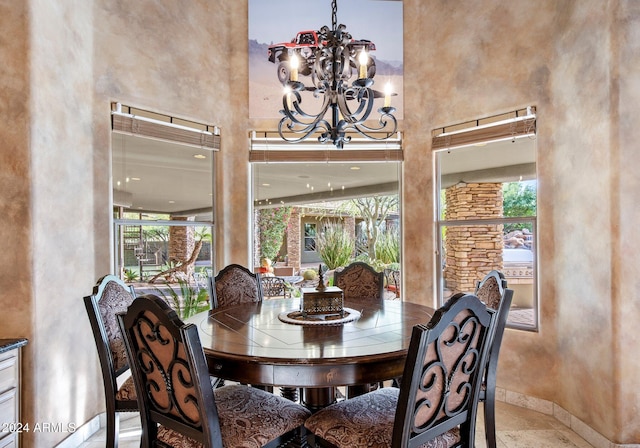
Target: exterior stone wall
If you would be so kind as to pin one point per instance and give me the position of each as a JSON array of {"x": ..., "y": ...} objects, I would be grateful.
[{"x": 472, "y": 251}]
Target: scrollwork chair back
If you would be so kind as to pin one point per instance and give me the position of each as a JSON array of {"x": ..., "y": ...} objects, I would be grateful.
[
  {"x": 436, "y": 404},
  {"x": 178, "y": 406}
]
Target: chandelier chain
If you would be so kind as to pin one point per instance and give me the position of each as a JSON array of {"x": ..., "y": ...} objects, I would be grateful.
[{"x": 334, "y": 15}]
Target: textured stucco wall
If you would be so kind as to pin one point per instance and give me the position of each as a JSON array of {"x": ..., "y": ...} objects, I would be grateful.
[
  {"x": 569, "y": 59},
  {"x": 577, "y": 61},
  {"x": 16, "y": 298}
]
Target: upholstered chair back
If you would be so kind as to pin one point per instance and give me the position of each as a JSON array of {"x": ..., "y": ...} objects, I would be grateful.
[
  {"x": 235, "y": 284},
  {"x": 360, "y": 281},
  {"x": 111, "y": 296}
]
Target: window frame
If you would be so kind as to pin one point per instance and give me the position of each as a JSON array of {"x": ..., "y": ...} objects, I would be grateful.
[{"x": 473, "y": 133}]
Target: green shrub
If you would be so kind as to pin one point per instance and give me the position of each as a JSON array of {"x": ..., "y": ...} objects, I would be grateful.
[
  {"x": 130, "y": 275},
  {"x": 388, "y": 247},
  {"x": 272, "y": 224},
  {"x": 186, "y": 299},
  {"x": 335, "y": 246},
  {"x": 378, "y": 265},
  {"x": 310, "y": 274}
]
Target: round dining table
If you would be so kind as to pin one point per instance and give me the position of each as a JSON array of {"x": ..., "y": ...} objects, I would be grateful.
[{"x": 260, "y": 344}]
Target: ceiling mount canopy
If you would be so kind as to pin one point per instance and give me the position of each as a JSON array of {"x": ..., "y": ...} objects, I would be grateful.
[{"x": 331, "y": 63}]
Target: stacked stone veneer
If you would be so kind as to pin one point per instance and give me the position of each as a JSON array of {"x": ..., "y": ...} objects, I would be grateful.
[
  {"x": 181, "y": 243},
  {"x": 472, "y": 251}
]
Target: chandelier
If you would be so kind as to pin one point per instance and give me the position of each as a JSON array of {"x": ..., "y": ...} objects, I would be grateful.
[{"x": 346, "y": 105}]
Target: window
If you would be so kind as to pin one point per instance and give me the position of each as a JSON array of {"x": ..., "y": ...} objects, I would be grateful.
[
  {"x": 487, "y": 191},
  {"x": 162, "y": 175},
  {"x": 310, "y": 235},
  {"x": 311, "y": 189}
]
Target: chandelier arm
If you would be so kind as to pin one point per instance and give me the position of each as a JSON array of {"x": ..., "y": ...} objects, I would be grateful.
[
  {"x": 364, "y": 99},
  {"x": 297, "y": 113},
  {"x": 306, "y": 131},
  {"x": 386, "y": 121}
]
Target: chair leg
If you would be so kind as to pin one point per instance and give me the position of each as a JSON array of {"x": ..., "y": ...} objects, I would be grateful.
[
  {"x": 490, "y": 418},
  {"x": 112, "y": 429}
]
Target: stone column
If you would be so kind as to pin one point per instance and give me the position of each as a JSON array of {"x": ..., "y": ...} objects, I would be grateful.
[
  {"x": 350, "y": 227},
  {"x": 472, "y": 251},
  {"x": 181, "y": 244}
]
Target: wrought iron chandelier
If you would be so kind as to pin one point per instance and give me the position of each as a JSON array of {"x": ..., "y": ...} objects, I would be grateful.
[{"x": 335, "y": 60}]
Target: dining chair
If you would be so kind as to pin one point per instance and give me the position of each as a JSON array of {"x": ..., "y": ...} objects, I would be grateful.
[
  {"x": 178, "y": 406},
  {"x": 234, "y": 284},
  {"x": 360, "y": 281},
  {"x": 436, "y": 404},
  {"x": 110, "y": 296},
  {"x": 273, "y": 287},
  {"x": 493, "y": 291}
]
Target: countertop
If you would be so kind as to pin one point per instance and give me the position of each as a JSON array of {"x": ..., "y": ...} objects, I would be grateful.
[{"x": 10, "y": 344}]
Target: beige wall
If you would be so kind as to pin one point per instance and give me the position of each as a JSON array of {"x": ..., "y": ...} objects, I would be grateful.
[{"x": 577, "y": 61}]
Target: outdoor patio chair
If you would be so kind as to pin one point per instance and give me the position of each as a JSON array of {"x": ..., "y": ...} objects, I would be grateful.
[
  {"x": 274, "y": 287},
  {"x": 436, "y": 404},
  {"x": 393, "y": 281},
  {"x": 110, "y": 296},
  {"x": 493, "y": 291},
  {"x": 178, "y": 406}
]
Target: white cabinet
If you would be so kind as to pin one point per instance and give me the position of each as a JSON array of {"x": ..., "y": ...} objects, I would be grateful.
[{"x": 10, "y": 422}]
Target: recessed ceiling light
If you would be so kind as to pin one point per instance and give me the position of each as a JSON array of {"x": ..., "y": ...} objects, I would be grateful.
[
  {"x": 200, "y": 156},
  {"x": 135, "y": 178},
  {"x": 355, "y": 168},
  {"x": 172, "y": 202},
  {"x": 266, "y": 185}
]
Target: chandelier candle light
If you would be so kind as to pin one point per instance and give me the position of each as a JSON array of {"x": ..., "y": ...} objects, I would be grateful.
[{"x": 350, "y": 104}]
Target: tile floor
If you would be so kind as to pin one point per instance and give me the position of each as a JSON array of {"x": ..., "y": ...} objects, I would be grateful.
[{"x": 517, "y": 428}]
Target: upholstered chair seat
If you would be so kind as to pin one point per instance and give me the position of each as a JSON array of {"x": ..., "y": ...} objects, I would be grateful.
[
  {"x": 249, "y": 418},
  {"x": 367, "y": 420},
  {"x": 127, "y": 391},
  {"x": 436, "y": 404},
  {"x": 178, "y": 406}
]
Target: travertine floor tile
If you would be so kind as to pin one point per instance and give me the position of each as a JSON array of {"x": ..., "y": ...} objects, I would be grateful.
[{"x": 516, "y": 428}]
